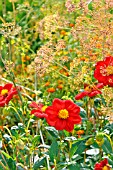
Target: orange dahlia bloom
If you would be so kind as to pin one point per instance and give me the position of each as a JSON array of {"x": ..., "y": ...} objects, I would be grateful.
[
  {"x": 47, "y": 83},
  {"x": 51, "y": 90},
  {"x": 60, "y": 86},
  {"x": 6, "y": 93},
  {"x": 80, "y": 132},
  {"x": 63, "y": 114}
]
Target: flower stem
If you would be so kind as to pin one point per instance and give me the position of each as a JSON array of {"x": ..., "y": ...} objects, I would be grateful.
[{"x": 42, "y": 139}]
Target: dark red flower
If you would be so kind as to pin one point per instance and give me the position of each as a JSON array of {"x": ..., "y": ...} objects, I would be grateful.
[
  {"x": 6, "y": 93},
  {"x": 63, "y": 114},
  {"x": 39, "y": 110},
  {"x": 90, "y": 91},
  {"x": 104, "y": 71},
  {"x": 103, "y": 165}
]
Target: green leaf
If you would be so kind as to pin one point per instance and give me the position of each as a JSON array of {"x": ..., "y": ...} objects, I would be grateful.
[
  {"x": 12, "y": 164},
  {"x": 52, "y": 131},
  {"x": 110, "y": 161},
  {"x": 73, "y": 167},
  {"x": 77, "y": 148},
  {"x": 77, "y": 157},
  {"x": 107, "y": 148},
  {"x": 39, "y": 163},
  {"x": 90, "y": 6},
  {"x": 35, "y": 139},
  {"x": 6, "y": 155},
  {"x": 53, "y": 151},
  {"x": 7, "y": 137},
  {"x": 82, "y": 113}
]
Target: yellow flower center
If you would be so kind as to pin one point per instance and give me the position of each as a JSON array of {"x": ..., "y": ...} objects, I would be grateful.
[
  {"x": 106, "y": 168},
  {"x": 88, "y": 89},
  {"x": 63, "y": 114},
  {"x": 4, "y": 92},
  {"x": 109, "y": 70},
  {"x": 43, "y": 108}
]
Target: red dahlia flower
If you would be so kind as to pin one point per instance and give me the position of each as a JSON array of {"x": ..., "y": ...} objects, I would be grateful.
[
  {"x": 103, "y": 165},
  {"x": 90, "y": 91},
  {"x": 104, "y": 71},
  {"x": 39, "y": 110},
  {"x": 63, "y": 114},
  {"x": 6, "y": 93}
]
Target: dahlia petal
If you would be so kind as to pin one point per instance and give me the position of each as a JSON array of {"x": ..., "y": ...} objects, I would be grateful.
[
  {"x": 40, "y": 115},
  {"x": 100, "y": 63},
  {"x": 2, "y": 104},
  {"x": 69, "y": 105},
  {"x": 51, "y": 122},
  {"x": 81, "y": 95},
  {"x": 50, "y": 111},
  {"x": 74, "y": 113},
  {"x": 76, "y": 120},
  {"x": 100, "y": 85},
  {"x": 58, "y": 104},
  {"x": 60, "y": 124},
  {"x": 69, "y": 126},
  {"x": 10, "y": 96},
  {"x": 8, "y": 86},
  {"x": 100, "y": 77},
  {"x": 108, "y": 60},
  {"x": 34, "y": 111},
  {"x": 1, "y": 87},
  {"x": 97, "y": 166},
  {"x": 104, "y": 162},
  {"x": 34, "y": 105},
  {"x": 1, "y": 98},
  {"x": 110, "y": 81},
  {"x": 94, "y": 93},
  {"x": 76, "y": 110}
]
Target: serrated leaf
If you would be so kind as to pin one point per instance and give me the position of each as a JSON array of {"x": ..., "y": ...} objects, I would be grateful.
[
  {"x": 107, "y": 148},
  {"x": 77, "y": 148},
  {"x": 39, "y": 163},
  {"x": 52, "y": 131},
  {"x": 73, "y": 167},
  {"x": 53, "y": 151}
]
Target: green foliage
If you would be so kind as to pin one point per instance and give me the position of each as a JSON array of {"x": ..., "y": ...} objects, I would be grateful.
[{"x": 53, "y": 151}]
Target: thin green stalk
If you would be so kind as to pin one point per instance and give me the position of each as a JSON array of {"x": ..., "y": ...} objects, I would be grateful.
[
  {"x": 4, "y": 159},
  {"x": 14, "y": 12},
  {"x": 26, "y": 88},
  {"x": 12, "y": 78},
  {"x": 3, "y": 165},
  {"x": 36, "y": 79},
  {"x": 4, "y": 8},
  {"x": 5, "y": 127},
  {"x": 42, "y": 139},
  {"x": 16, "y": 113}
]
